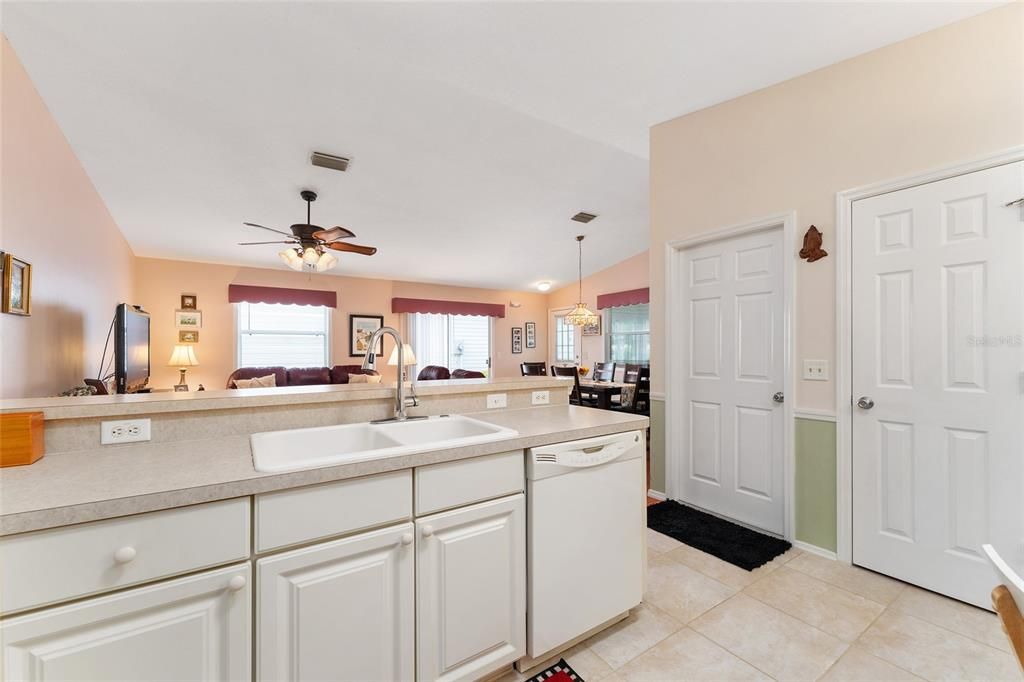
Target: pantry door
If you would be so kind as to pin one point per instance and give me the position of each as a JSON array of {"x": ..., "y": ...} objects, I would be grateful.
[
  {"x": 938, "y": 425},
  {"x": 731, "y": 347}
]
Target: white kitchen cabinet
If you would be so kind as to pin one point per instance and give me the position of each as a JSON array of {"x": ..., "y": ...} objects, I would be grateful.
[
  {"x": 194, "y": 628},
  {"x": 471, "y": 589},
  {"x": 340, "y": 610}
]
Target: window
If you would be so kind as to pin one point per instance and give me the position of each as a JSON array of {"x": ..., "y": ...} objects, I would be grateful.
[
  {"x": 452, "y": 341},
  {"x": 290, "y": 335},
  {"x": 629, "y": 334},
  {"x": 565, "y": 340}
]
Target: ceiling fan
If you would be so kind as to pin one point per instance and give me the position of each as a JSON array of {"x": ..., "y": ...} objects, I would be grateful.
[{"x": 312, "y": 244}]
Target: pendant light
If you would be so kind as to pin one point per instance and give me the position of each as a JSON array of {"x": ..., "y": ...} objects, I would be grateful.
[{"x": 581, "y": 315}]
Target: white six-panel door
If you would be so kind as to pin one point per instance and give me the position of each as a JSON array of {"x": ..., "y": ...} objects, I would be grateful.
[
  {"x": 938, "y": 293},
  {"x": 732, "y": 358}
]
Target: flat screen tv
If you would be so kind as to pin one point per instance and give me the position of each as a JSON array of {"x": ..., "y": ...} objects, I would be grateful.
[{"x": 131, "y": 349}]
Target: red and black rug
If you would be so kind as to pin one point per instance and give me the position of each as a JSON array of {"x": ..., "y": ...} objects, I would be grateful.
[{"x": 559, "y": 672}]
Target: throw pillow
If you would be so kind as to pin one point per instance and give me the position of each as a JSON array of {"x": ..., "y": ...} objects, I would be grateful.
[
  {"x": 259, "y": 382},
  {"x": 363, "y": 379}
]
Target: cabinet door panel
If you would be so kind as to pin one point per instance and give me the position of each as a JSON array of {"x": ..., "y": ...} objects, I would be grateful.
[
  {"x": 340, "y": 610},
  {"x": 195, "y": 628},
  {"x": 471, "y": 589}
]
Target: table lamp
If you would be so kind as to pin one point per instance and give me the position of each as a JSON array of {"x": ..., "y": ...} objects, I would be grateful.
[
  {"x": 408, "y": 357},
  {"x": 183, "y": 357}
]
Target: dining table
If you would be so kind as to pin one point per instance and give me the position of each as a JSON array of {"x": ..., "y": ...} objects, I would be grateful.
[{"x": 604, "y": 390}]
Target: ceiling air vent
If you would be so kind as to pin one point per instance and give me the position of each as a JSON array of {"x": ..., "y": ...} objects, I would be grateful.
[
  {"x": 338, "y": 163},
  {"x": 582, "y": 217}
]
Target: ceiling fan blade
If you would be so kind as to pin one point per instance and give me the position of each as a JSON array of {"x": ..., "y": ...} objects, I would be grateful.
[
  {"x": 336, "y": 232},
  {"x": 255, "y": 243},
  {"x": 264, "y": 227},
  {"x": 353, "y": 248}
]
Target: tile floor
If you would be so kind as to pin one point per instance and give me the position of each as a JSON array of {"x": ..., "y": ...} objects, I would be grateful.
[{"x": 801, "y": 617}]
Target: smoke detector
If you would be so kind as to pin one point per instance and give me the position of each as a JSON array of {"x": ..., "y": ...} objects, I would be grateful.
[
  {"x": 582, "y": 217},
  {"x": 338, "y": 163}
]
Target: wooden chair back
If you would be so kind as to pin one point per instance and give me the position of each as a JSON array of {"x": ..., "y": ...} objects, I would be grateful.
[
  {"x": 631, "y": 373},
  {"x": 1008, "y": 602},
  {"x": 533, "y": 369},
  {"x": 573, "y": 371},
  {"x": 604, "y": 371}
]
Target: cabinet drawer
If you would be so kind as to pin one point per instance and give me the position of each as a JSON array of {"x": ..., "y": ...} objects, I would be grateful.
[
  {"x": 453, "y": 484},
  {"x": 55, "y": 565},
  {"x": 289, "y": 517}
]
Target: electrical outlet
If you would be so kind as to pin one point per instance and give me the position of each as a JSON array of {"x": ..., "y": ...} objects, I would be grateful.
[
  {"x": 541, "y": 398},
  {"x": 495, "y": 400},
  {"x": 124, "y": 431},
  {"x": 816, "y": 370}
]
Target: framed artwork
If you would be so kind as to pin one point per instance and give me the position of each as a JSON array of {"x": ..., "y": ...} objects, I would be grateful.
[
  {"x": 17, "y": 285},
  {"x": 188, "y": 302},
  {"x": 531, "y": 334},
  {"x": 188, "y": 336},
  {"x": 360, "y": 329},
  {"x": 517, "y": 339},
  {"x": 593, "y": 329},
  {"x": 188, "y": 319}
]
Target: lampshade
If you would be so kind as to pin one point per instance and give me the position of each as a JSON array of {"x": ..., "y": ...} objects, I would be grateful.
[
  {"x": 409, "y": 356},
  {"x": 291, "y": 258},
  {"x": 183, "y": 356},
  {"x": 326, "y": 261},
  {"x": 581, "y": 316}
]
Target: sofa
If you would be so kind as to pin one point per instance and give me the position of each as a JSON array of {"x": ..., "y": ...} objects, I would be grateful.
[{"x": 300, "y": 376}]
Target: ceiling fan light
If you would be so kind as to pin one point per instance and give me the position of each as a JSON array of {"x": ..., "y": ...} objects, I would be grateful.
[
  {"x": 287, "y": 255},
  {"x": 326, "y": 261},
  {"x": 310, "y": 257}
]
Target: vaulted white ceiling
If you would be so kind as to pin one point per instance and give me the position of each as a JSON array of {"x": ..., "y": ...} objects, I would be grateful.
[{"x": 475, "y": 129}]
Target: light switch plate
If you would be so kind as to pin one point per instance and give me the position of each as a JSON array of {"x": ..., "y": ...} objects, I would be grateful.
[
  {"x": 541, "y": 398},
  {"x": 495, "y": 400},
  {"x": 816, "y": 370}
]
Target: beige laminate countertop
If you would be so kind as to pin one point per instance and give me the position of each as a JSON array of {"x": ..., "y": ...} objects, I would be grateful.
[{"x": 120, "y": 480}]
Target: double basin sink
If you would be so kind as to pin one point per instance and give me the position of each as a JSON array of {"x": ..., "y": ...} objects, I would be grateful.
[{"x": 276, "y": 451}]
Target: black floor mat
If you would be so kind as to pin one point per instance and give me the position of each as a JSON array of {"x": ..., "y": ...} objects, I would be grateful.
[{"x": 728, "y": 541}]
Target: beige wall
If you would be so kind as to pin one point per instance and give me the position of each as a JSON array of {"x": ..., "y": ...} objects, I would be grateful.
[
  {"x": 52, "y": 217},
  {"x": 936, "y": 99},
  {"x": 632, "y": 273},
  {"x": 160, "y": 284}
]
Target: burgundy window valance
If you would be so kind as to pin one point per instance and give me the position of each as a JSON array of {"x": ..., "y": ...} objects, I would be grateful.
[
  {"x": 423, "y": 305},
  {"x": 619, "y": 298},
  {"x": 239, "y": 293}
]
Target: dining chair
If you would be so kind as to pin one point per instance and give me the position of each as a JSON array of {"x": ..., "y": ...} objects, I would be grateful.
[
  {"x": 1008, "y": 601},
  {"x": 641, "y": 401},
  {"x": 433, "y": 373},
  {"x": 533, "y": 369},
  {"x": 604, "y": 371},
  {"x": 566, "y": 371},
  {"x": 629, "y": 376}
]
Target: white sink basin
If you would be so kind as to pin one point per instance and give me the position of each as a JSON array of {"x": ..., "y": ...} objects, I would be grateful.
[{"x": 347, "y": 443}]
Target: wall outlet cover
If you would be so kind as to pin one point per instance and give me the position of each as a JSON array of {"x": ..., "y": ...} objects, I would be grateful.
[
  {"x": 495, "y": 400},
  {"x": 815, "y": 370},
  {"x": 541, "y": 398},
  {"x": 124, "y": 431}
]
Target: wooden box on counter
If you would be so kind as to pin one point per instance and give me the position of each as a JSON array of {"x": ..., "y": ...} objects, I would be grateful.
[{"x": 21, "y": 438}]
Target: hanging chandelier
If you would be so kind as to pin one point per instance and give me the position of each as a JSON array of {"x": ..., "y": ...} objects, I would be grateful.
[{"x": 581, "y": 315}]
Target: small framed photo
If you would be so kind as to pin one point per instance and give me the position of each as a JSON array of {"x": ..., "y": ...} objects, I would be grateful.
[
  {"x": 181, "y": 388},
  {"x": 17, "y": 285},
  {"x": 360, "y": 329},
  {"x": 188, "y": 319},
  {"x": 188, "y": 302},
  {"x": 517, "y": 339},
  {"x": 593, "y": 329},
  {"x": 531, "y": 334},
  {"x": 188, "y": 336}
]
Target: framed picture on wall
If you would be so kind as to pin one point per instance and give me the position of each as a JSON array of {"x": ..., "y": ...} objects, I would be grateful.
[
  {"x": 531, "y": 334},
  {"x": 517, "y": 339},
  {"x": 360, "y": 329},
  {"x": 17, "y": 285},
  {"x": 188, "y": 319},
  {"x": 593, "y": 329},
  {"x": 188, "y": 302},
  {"x": 188, "y": 336}
]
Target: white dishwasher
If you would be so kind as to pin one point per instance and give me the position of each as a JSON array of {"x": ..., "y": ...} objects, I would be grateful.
[{"x": 585, "y": 528}]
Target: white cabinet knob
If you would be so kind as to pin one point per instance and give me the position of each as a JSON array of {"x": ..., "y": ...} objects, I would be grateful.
[
  {"x": 407, "y": 538},
  {"x": 427, "y": 531},
  {"x": 237, "y": 582},
  {"x": 124, "y": 555}
]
